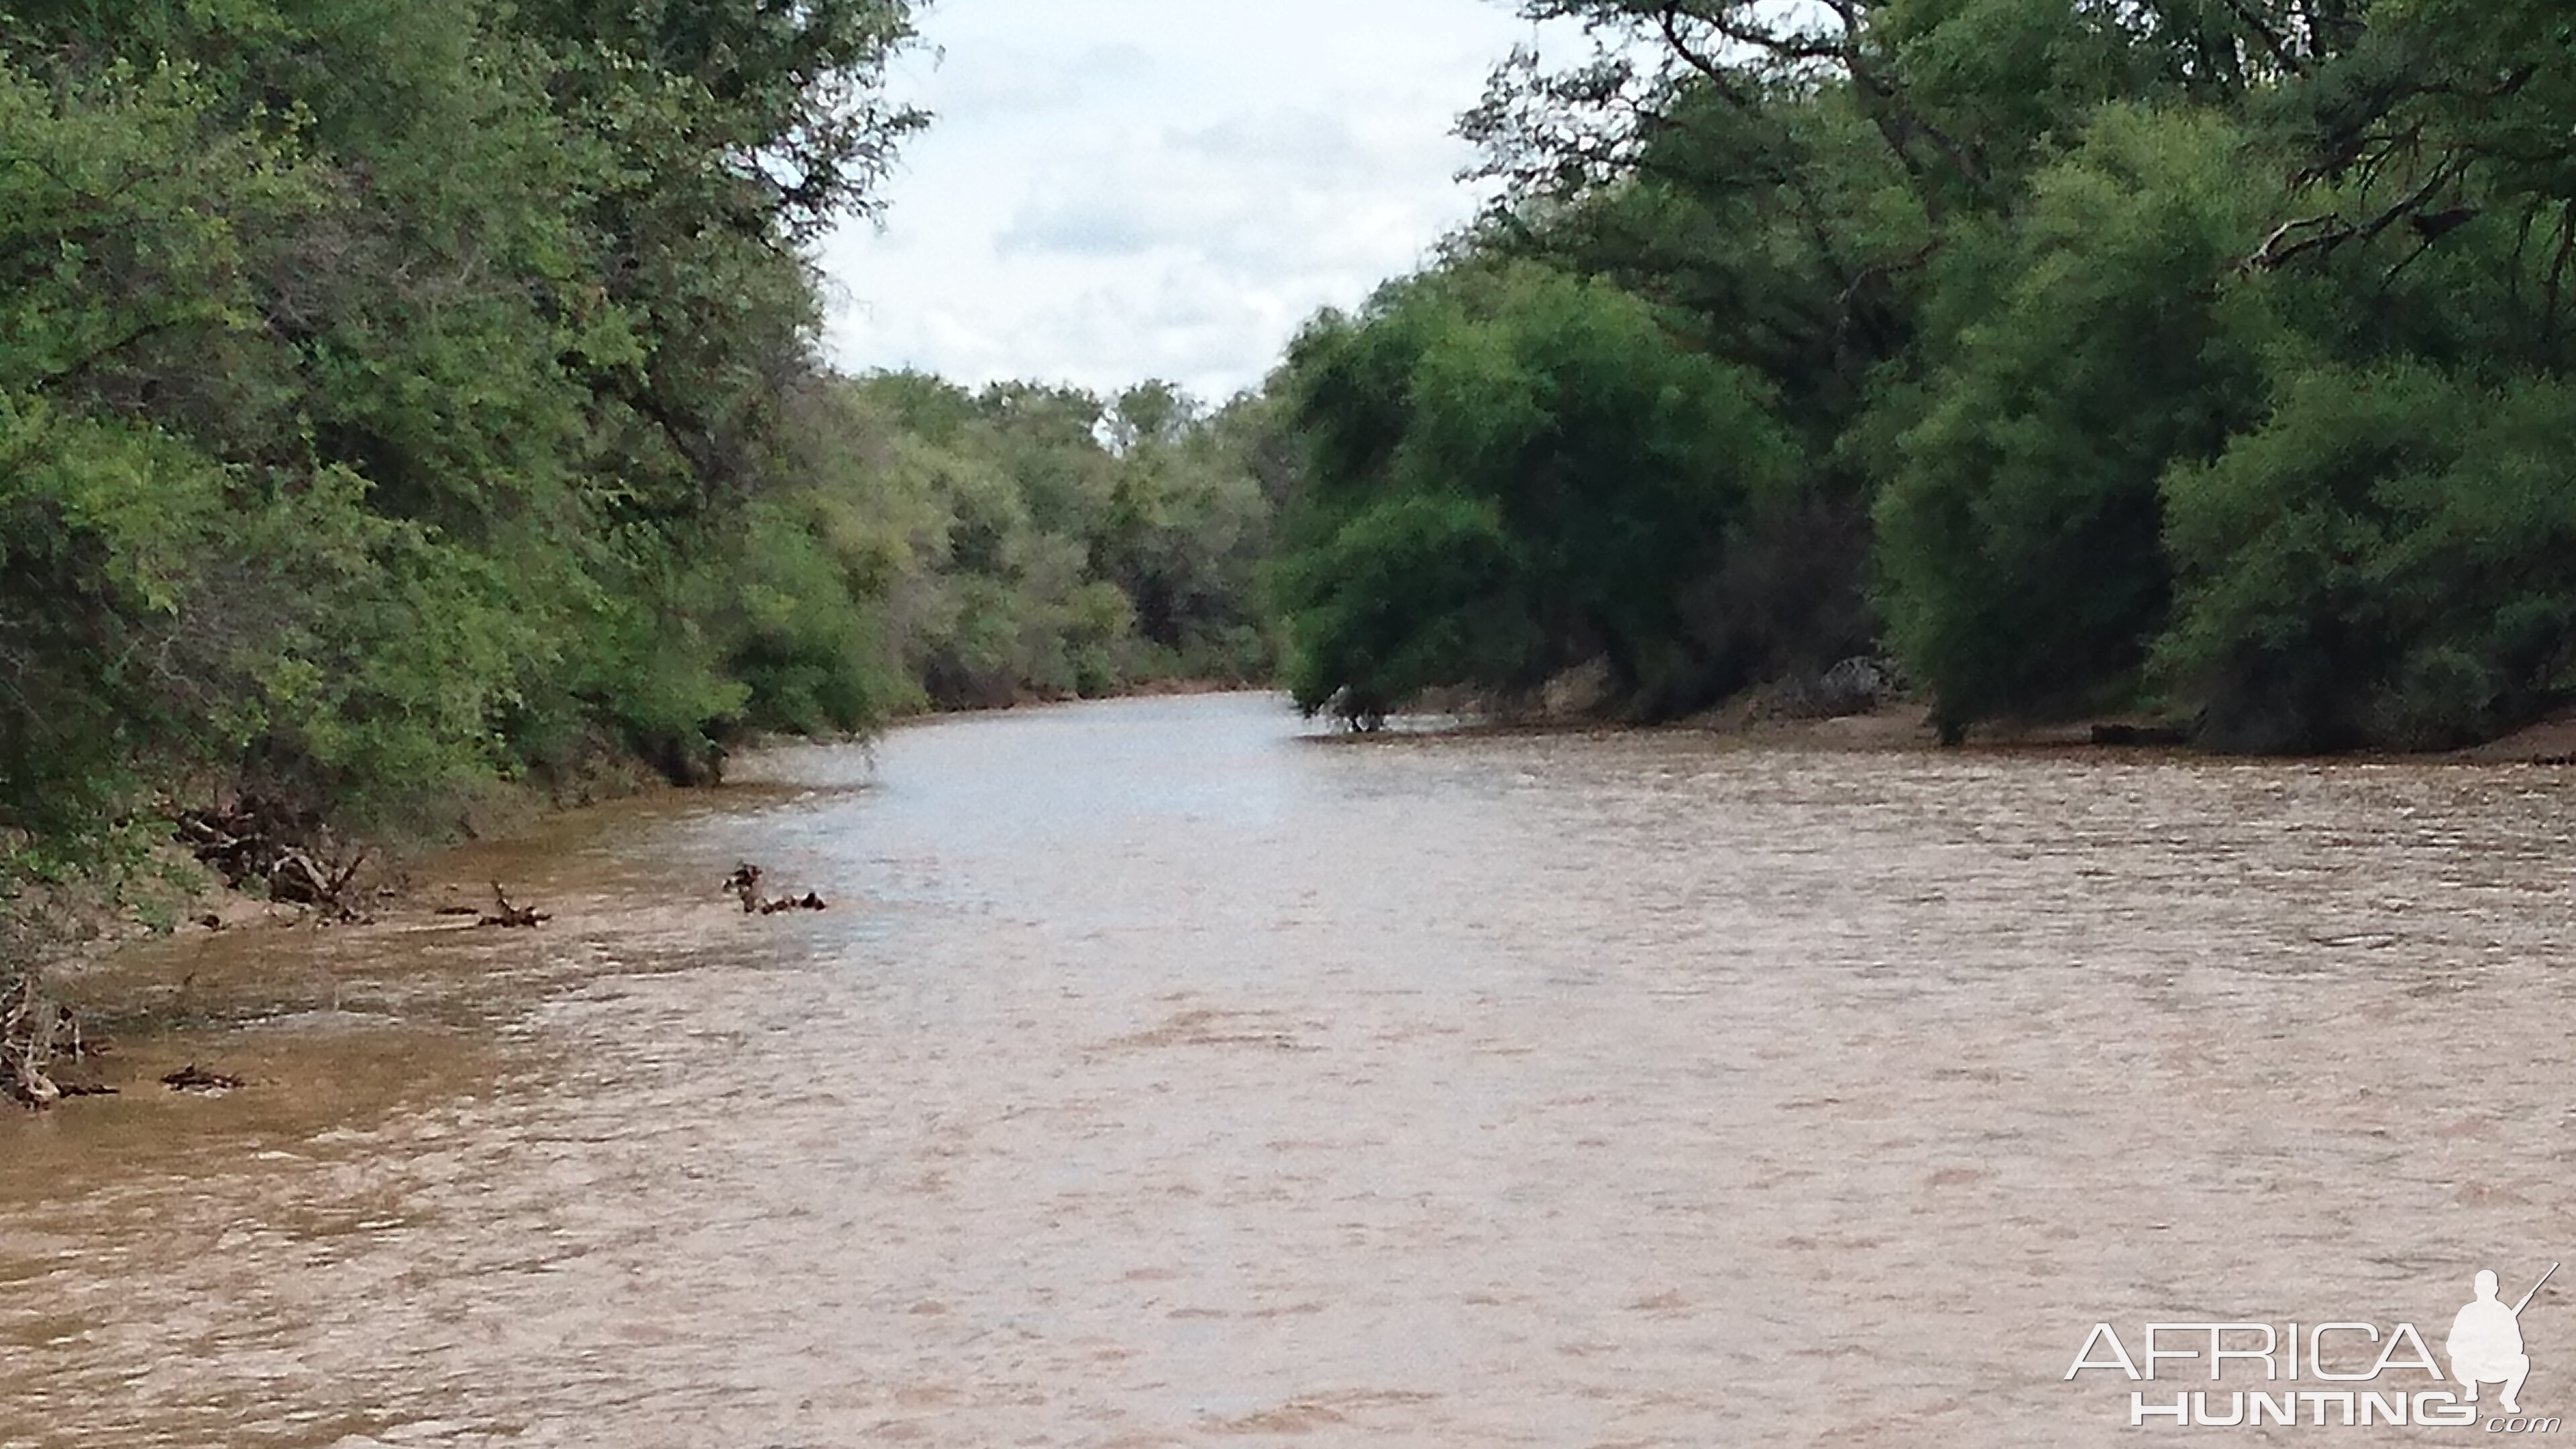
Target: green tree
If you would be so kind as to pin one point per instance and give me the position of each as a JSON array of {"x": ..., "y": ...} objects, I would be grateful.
[
  {"x": 1536, "y": 469},
  {"x": 2020, "y": 531},
  {"x": 2389, "y": 559},
  {"x": 396, "y": 394}
]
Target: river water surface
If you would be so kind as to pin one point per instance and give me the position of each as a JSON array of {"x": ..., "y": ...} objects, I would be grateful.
[{"x": 1163, "y": 1075}]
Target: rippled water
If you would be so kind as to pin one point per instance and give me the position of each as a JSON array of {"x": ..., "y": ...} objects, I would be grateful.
[{"x": 1161, "y": 1076}]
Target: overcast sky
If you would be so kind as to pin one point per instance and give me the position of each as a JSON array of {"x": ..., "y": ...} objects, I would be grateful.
[{"x": 1120, "y": 189}]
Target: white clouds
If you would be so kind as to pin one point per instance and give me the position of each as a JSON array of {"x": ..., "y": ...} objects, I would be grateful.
[
  {"x": 1079, "y": 225},
  {"x": 1291, "y": 139},
  {"x": 1113, "y": 191}
]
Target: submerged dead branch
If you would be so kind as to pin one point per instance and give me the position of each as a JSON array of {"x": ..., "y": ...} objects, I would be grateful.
[
  {"x": 506, "y": 914},
  {"x": 28, "y": 1022},
  {"x": 194, "y": 1078},
  {"x": 36, "y": 1032},
  {"x": 745, "y": 884}
]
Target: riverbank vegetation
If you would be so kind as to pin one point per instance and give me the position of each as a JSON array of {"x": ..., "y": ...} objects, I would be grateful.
[
  {"x": 2209, "y": 359},
  {"x": 400, "y": 396}
]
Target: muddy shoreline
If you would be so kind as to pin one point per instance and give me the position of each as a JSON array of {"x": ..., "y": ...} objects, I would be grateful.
[{"x": 1907, "y": 727}]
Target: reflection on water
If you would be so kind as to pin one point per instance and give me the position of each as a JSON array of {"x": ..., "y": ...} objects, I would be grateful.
[{"x": 1162, "y": 1077}]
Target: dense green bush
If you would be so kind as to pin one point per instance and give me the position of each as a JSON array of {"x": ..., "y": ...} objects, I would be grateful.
[
  {"x": 2389, "y": 559},
  {"x": 2177, "y": 356},
  {"x": 2019, "y": 528},
  {"x": 1513, "y": 472}
]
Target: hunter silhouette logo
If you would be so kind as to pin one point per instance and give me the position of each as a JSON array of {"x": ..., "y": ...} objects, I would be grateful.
[
  {"x": 2345, "y": 1372},
  {"x": 2486, "y": 1342}
]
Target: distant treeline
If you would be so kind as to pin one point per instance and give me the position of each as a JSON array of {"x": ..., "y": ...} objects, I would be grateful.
[
  {"x": 401, "y": 395},
  {"x": 1035, "y": 542},
  {"x": 2203, "y": 356}
]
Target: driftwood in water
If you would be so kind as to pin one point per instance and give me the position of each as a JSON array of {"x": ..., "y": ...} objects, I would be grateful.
[
  {"x": 285, "y": 851},
  {"x": 37, "y": 1033},
  {"x": 28, "y": 1024},
  {"x": 745, "y": 884},
  {"x": 194, "y": 1078},
  {"x": 506, "y": 914}
]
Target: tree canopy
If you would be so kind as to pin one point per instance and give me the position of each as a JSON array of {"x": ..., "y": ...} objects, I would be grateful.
[
  {"x": 2162, "y": 354},
  {"x": 397, "y": 395},
  {"x": 1514, "y": 470}
]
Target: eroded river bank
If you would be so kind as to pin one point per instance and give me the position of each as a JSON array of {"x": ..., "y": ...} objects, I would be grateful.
[{"x": 1160, "y": 1076}]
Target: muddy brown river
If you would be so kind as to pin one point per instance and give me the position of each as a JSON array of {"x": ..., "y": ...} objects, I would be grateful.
[{"x": 1162, "y": 1075}]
